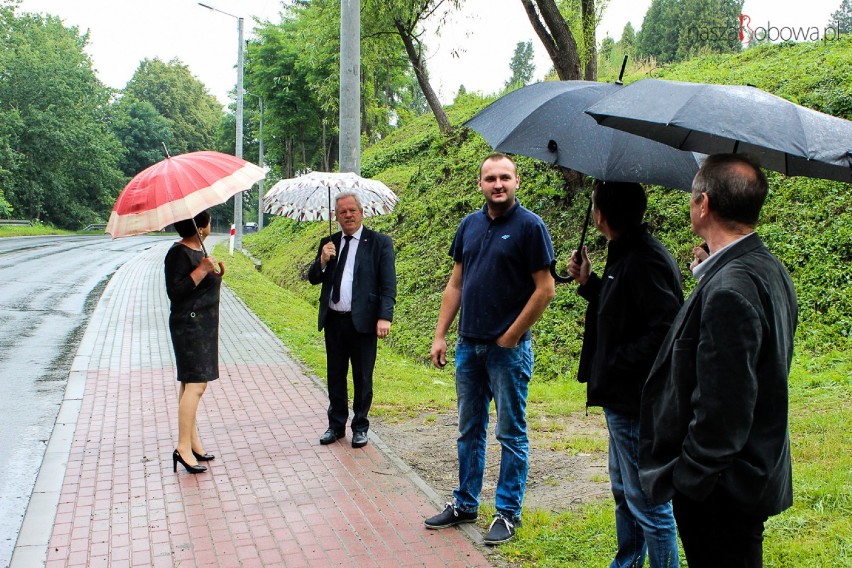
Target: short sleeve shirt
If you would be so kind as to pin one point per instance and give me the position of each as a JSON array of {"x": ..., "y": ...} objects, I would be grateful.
[{"x": 498, "y": 257}]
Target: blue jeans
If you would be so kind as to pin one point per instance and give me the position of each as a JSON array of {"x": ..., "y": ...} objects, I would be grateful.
[
  {"x": 639, "y": 524},
  {"x": 486, "y": 371}
]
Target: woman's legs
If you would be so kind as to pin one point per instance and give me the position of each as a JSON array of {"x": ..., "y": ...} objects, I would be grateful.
[
  {"x": 196, "y": 445},
  {"x": 188, "y": 399}
]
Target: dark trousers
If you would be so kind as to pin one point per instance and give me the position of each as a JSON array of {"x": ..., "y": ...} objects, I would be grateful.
[
  {"x": 342, "y": 345},
  {"x": 715, "y": 533}
]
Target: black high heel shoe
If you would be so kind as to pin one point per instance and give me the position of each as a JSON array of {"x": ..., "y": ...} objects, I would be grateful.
[
  {"x": 203, "y": 457},
  {"x": 176, "y": 457}
]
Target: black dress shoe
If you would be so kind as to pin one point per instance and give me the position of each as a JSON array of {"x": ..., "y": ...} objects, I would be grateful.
[
  {"x": 330, "y": 436},
  {"x": 359, "y": 439},
  {"x": 178, "y": 459},
  {"x": 203, "y": 457}
]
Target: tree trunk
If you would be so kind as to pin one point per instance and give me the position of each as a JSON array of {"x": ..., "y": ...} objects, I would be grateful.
[
  {"x": 423, "y": 80},
  {"x": 588, "y": 14},
  {"x": 556, "y": 37},
  {"x": 288, "y": 158},
  {"x": 366, "y": 127},
  {"x": 326, "y": 151}
]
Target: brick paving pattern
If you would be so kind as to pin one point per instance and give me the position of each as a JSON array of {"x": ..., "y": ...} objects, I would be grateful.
[{"x": 272, "y": 497}]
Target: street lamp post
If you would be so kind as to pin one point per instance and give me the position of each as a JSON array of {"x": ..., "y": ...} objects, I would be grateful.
[
  {"x": 259, "y": 163},
  {"x": 238, "y": 198}
]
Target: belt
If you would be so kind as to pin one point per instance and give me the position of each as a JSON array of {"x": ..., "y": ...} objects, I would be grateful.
[{"x": 338, "y": 313}]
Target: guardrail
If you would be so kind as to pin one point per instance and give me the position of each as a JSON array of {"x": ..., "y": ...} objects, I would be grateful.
[
  {"x": 94, "y": 226},
  {"x": 16, "y": 222}
]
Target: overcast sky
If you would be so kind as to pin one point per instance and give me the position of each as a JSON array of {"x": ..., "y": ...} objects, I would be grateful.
[{"x": 483, "y": 35}]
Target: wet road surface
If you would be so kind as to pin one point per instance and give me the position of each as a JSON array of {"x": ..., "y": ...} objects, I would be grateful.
[{"x": 48, "y": 287}]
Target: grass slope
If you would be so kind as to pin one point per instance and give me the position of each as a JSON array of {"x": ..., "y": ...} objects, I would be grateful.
[{"x": 807, "y": 223}]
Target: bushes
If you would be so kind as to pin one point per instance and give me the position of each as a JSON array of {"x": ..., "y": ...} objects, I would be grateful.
[{"x": 806, "y": 223}]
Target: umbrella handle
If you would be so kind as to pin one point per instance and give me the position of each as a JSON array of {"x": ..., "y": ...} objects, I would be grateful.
[
  {"x": 565, "y": 279},
  {"x": 558, "y": 277},
  {"x": 221, "y": 272}
]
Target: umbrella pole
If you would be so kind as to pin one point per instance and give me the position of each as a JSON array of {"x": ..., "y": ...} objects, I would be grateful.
[
  {"x": 221, "y": 271},
  {"x": 329, "y": 213},
  {"x": 200, "y": 240},
  {"x": 621, "y": 74},
  {"x": 565, "y": 279}
]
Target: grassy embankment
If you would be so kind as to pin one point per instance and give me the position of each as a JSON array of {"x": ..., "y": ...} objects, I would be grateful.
[
  {"x": 35, "y": 230},
  {"x": 807, "y": 223}
]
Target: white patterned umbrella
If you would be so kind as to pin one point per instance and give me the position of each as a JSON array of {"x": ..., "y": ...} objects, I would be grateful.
[{"x": 309, "y": 197}]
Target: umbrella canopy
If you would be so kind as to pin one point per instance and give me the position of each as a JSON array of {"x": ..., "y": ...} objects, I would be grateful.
[
  {"x": 782, "y": 135},
  {"x": 546, "y": 121},
  {"x": 309, "y": 197},
  {"x": 178, "y": 188}
]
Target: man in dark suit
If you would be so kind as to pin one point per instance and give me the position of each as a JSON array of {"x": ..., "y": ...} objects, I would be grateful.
[
  {"x": 713, "y": 432},
  {"x": 356, "y": 308}
]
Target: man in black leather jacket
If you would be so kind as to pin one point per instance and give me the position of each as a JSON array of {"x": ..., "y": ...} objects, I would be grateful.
[{"x": 631, "y": 307}]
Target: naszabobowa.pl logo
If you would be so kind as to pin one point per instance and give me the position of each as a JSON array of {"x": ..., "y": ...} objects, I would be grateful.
[
  {"x": 749, "y": 32},
  {"x": 745, "y": 32}
]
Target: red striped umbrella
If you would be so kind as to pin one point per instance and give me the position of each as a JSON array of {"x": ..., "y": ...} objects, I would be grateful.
[{"x": 178, "y": 188}]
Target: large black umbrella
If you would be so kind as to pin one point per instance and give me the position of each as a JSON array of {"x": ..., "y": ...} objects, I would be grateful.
[
  {"x": 546, "y": 121},
  {"x": 782, "y": 135}
]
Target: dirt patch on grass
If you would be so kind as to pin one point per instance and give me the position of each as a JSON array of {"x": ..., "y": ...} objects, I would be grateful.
[{"x": 568, "y": 461}]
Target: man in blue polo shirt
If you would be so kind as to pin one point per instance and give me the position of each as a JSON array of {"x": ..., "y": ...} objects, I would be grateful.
[{"x": 501, "y": 282}]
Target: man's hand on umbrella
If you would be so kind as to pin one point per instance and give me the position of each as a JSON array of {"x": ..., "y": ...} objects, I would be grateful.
[
  {"x": 699, "y": 253},
  {"x": 580, "y": 271},
  {"x": 329, "y": 251}
]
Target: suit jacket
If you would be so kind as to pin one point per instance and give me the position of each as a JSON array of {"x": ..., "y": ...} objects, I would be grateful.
[
  {"x": 373, "y": 282},
  {"x": 714, "y": 409}
]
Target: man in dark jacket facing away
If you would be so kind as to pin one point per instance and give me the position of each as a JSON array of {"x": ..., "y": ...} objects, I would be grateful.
[
  {"x": 630, "y": 310},
  {"x": 713, "y": 433}
]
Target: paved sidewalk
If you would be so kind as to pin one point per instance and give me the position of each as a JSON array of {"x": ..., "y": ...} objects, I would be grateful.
[{"x": 106, "y": 495}]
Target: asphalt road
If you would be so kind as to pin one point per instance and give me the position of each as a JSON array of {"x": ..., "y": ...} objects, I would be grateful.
[{"x": 48, "y": 287}]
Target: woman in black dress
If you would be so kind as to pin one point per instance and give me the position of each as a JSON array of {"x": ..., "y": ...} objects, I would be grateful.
[{"x": 192, "y": 285}]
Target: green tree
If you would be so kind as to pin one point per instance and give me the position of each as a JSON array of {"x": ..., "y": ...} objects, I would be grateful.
[
  {"x": 566, "y": 28},
  {"x": 406, "y": 18},
  {"x": 10, "y": 124},
  {"x": 842, "y": 18},
  {"x": 556, "y": 36},
  {"x": 607, "y": 46},
  {"x": 294, "y": 66},
  {"x": 658, "y": 37},
  {"x": 708, "y": 26},
  {"x": 193, "y": 114},
  {"x": 674, "y": 30},
  {"x": 142, "y": 131},
  {"x": 628, "y": 40},
  {"x": 58, "y": 158},
  {"x": 522, "y": 65},
  {"x": 300, "y": 114}
]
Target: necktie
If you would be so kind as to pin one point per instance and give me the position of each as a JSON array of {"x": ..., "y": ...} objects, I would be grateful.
[{"x": 338, "y": 270}]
